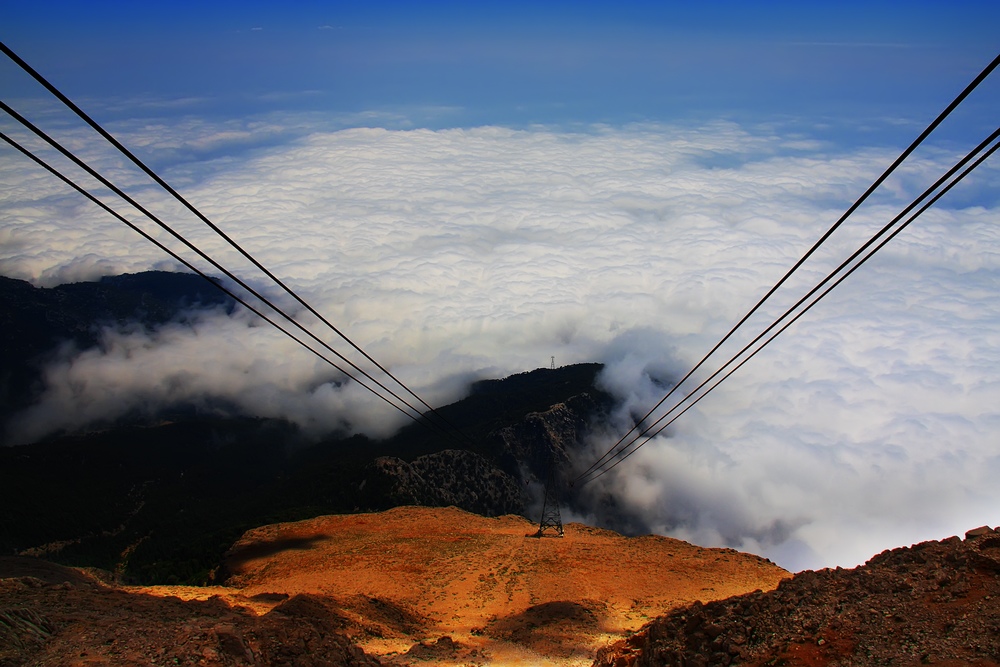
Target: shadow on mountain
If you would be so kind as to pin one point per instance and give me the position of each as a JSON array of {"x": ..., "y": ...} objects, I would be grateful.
[
  {"x": 22, "y": 566},
  {"x": 560, "y": 628},
  {"x": 389, "y": 618},
  {"x": 257, "y": 550}
]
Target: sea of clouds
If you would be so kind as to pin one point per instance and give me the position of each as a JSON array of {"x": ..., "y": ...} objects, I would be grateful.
[{"x": 452, "y": 255}]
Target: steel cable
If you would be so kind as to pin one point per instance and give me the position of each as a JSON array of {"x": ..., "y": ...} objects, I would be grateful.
[
  {"x": 649, "y": 433},
  {"x": 180, "y": 198},
  {"x": 416, "y": 416},
  {"x": 899, "y": 160}
]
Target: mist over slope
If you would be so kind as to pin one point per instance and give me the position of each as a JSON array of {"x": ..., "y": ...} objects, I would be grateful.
[
  {"x": 461, "y": 254},
  {"x": 158, "y": 496},
  {"x": 42, "y": 328}
]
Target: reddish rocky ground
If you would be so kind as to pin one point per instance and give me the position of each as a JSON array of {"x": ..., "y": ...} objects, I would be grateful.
[
  {"x": 496, "y": 592},
  {"x": 51, "y": 615},
  {"x": 418, "y": 586},
  {"x": 405, "y": 587},
  {"x": 933, "y": 603}
]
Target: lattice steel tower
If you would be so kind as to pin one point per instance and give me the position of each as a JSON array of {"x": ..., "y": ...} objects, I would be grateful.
[{"x": 551, "y": 521}]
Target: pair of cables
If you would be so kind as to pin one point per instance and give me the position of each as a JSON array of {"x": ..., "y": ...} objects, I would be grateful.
[
  {"x": 640, "y": 435},
  {"x": 427, "y": 416}
]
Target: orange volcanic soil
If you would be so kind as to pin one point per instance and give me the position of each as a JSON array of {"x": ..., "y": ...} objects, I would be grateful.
[
  {"x": 409, "y": 586},
  {"x": 485, "y": 583}
]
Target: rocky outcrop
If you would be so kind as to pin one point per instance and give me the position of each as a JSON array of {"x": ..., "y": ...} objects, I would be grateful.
[
  {"x": 544, "y": 439},
  {"x": 524, "y": 453},
  {"x": 451, "y": 477},
  {"x": 932, "y": 603},
  {"x": 74, "y": 623}
]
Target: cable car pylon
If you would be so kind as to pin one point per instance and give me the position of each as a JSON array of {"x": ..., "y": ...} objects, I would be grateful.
[{"x": 551, "y": 521}]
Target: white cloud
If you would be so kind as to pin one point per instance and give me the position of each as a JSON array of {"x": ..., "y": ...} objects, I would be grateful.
[{"x": 481, "y": 252}]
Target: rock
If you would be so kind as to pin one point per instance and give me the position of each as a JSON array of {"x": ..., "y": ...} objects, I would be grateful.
[
  {"x": 978, "y": 532},
  {"x": 442, "y": 649},
  {"x": 115, "y": 626},
  {"x": 943, "y": 609},
  {"x": 542, "y": 438},
  {"x": 451, "y": 477}
]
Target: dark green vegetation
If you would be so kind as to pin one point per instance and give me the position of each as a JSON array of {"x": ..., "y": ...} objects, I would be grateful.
[{"x": 161, "y": 501}]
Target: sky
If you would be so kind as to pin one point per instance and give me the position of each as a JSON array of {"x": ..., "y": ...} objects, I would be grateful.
[{"x": 468, "y": 189}]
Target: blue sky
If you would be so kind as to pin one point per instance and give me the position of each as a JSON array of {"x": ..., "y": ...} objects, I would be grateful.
[{"x": 468, "y": 63}]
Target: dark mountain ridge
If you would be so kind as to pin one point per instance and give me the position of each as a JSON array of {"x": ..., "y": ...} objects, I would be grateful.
[
  {"x": 36, "y": 322},
  {"x": 161, "y": 503},
  {"x": 159, "y": 498}
]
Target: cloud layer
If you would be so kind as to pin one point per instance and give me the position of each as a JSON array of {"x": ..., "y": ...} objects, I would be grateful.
[{"x": 456, "y": 254}]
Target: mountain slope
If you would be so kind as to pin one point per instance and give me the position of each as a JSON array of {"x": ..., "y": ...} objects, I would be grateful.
[
  {"x": 160, "y": 503},
  {"x": 50, "y": 615},
  {"x": 35, "y": 322},
  {"x": 933, "y": 603},
  {"x": 411, "y": 586},
  {"x": 159, "y": 497}
]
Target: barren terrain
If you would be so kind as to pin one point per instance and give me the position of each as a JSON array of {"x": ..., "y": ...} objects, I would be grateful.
[
  {"x": 486, "y": 583},
  {"x": 408, "y": 586},
  {"x": 935, "y": 603}
]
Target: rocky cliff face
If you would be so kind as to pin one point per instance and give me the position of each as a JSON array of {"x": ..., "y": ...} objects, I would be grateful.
[
  {"x": 544, "y": 439},
  {"x": 932, "y": 603},
  {"x": 524, "y": 453},
  {"x": 451, "y": 477}
]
